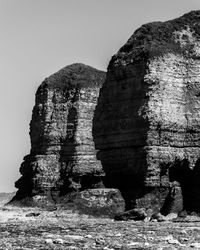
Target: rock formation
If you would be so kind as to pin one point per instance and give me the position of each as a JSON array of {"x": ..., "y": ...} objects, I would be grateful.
[
  {"x": 147, "y": 121},
  {"x": 62, "y": 157},
  {"x": 100, "y": 202}
]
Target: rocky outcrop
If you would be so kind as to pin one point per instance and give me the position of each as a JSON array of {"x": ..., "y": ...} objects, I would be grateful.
[
  {"x": 62, "y": 157},
  {"x": 147, "y": 121},
  {"x": 100, "y": 202}
]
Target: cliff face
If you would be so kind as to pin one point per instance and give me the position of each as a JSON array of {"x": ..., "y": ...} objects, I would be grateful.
[
  {"x": 62, "y": 157},
  {"x": 147, "y": 121}
]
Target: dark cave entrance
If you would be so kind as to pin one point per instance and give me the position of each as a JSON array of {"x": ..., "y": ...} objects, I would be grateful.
[{"x": 184, "y": 193}]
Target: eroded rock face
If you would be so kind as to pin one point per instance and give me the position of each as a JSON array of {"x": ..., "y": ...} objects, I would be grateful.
[
  {"x": 62, "y": 157},
  {"x": 100, "y": 202},
  {"x": 147, "y": 121}
]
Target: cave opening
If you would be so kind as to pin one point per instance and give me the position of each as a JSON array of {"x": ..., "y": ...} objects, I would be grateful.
[
  {"x": 90, "y": 181},
  {"x": 184, "y": 191}
]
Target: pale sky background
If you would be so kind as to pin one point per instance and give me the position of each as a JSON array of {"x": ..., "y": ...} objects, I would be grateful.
[{"x": 38, "y": 37}]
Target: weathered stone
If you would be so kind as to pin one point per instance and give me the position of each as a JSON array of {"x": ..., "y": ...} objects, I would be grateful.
[
  {"x": 195, "y": 245},
  {"x": 32, "y": 214},
  {"x": 62, "y": 157},
  {"x": 182, "y": 214},
  {"x": 133, "y": 214},
  {"x": 58, "y": 241},
  {"x": 158, "y": 217},
  {"x": 48, "y": 241},
  {"x": 174, "y": 200},
  {"x": 171, "y": 217},
  {"x": 147, "y": 121},
  {"x": 100, "y": 202}
]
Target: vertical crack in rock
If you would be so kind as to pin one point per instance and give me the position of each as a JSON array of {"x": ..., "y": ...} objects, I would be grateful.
[
  {"x": 147, "y": 120},
  {"x": 62, "y": 157}
]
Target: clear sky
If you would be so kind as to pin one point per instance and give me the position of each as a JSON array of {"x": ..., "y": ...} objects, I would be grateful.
[{"x": 38, "y": 37}]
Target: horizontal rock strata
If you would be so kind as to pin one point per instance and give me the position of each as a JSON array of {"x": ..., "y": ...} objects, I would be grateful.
[
  {"x": 147, "y": 121},
  {"x": 62, "y": 157}
]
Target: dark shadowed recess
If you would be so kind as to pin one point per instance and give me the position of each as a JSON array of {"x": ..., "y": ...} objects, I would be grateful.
[
  {"x": 68, "y": 182},
  {"x": 188, "y": 179},
  {"x": 124, "y": 162}
]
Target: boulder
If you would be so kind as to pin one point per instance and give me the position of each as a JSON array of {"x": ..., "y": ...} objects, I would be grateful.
[
  {"x": 158, "y": 217},
  {"x": 182, "y": 214},
  {"x": 171, "y": 217},
  {"x": 100, "y": 202},
  {"x": 174, "y": 200},
  {"x": 133, "y": 214}
]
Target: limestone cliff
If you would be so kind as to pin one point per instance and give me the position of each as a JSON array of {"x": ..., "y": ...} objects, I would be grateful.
[
  {"x": 147, "y": 121},
  {"x": 62, "y": 157}
]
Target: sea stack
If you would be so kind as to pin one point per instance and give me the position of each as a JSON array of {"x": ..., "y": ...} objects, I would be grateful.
[
  {"x": 62, "y": 157},
  {"x": 147, "y": 121}
]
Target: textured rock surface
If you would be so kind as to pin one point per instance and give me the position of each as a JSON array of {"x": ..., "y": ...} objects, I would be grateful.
[
  {"x": 147, "y": 121},
  {"x": 133, "y": 214},
  {"x": 100, "y": 202},
  {"x": 62, "y": 157}
]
